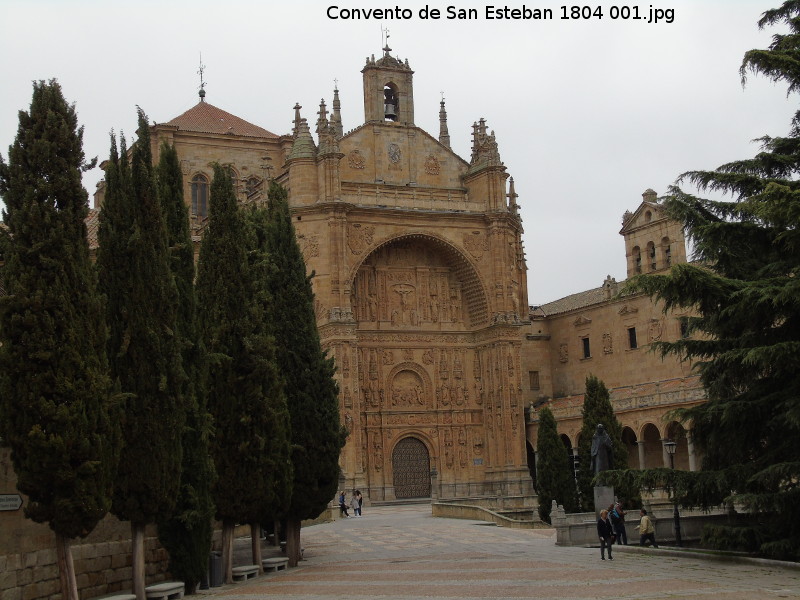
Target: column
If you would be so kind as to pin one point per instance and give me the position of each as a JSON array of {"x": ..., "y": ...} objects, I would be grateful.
[
  {"x": 640, "y": 445},
  {"x": 692, "y": 455}
]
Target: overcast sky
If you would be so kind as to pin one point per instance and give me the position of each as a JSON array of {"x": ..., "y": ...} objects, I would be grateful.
[{"x": 588, "y": 113}]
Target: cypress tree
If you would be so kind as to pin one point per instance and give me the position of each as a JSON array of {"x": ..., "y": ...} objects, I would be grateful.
[
  {"x": 597, "y": 409},
  {"x": 746, "y": 337},
  {"x": 243, "y": 383},
  {"x": 312, "y": 392},
  {"x": 54, "y": 389},
  {"x": 144, "y": 352},
  {"x": 554, "y": 477},
  {"x": 186, "y": 533}
]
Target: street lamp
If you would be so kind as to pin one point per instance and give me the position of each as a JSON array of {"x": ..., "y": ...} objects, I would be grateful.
[{"x": 671, "y": 447}]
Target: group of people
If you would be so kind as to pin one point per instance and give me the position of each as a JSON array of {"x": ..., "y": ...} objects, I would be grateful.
[
  {"x": 356, "y": 501},
  {"x": 611, "y": 528}
]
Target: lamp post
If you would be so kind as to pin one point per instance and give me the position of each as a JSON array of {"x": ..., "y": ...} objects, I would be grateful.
[{"x": 671, "y": 447}]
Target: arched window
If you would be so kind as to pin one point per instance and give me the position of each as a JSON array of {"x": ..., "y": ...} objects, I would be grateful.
[
  {"x": 667, "y": 250},
  {"x": 200, "y": 195},
  {"x": 252, "y": 186},
  {"x": 391, "y": 102},
  {"x": 651, "y": 255},
  {"x": 637, "y": 260}
]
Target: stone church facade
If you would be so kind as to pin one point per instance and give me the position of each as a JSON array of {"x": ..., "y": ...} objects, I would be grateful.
[{"x": 421, "y": 295}]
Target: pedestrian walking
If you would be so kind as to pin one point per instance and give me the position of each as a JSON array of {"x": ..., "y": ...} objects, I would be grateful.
[
  {"x": 647, "y": 531},
  {"x": 360, "y": 501},
  {"x": 354, "y": 504},
  {"x": 605, "y": 532},
  {"x": 342, "y": 506},
  {"x": 617, "y": 516}
]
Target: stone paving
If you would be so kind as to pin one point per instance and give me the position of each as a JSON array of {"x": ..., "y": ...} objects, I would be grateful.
[{"x": 403, "y": 553}]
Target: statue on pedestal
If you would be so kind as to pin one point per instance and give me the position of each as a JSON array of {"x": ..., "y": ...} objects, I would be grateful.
[{"x": 602, "y": 456}]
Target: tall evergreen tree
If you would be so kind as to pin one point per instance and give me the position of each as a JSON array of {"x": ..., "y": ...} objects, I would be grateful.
[
  {"x": 55, "y": 392},
  {"x": 597, "y": 409},
  {"x": 312, "y": 392},
  {"x": 554, "y": 477},
  {"x": 186, "y": 533},
  {"x": 746, "y": 289},
  {"x": 144, "y": 352},
  {"x": 243, "y": 383}
]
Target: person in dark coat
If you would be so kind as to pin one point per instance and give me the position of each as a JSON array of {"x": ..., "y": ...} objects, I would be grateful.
[
  {"x": 617, "y": 515},
  {"x": 605, "y": 532}
]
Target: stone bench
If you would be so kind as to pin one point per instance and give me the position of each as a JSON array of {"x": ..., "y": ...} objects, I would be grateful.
[
  {"x": 245, "y": 572},
  {"x": 169, "y": 590},
  {"x": 274, "y": 564},
  {"x": 117, "y": 596}
]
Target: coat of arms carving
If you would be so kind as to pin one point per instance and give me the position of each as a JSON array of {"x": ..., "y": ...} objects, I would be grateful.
[
  {"x": 356, "y": 160},
  {"x": 358, "y": 237},
  {"x": 476, "y": 244},
  {"x": 432, "y": 166}
]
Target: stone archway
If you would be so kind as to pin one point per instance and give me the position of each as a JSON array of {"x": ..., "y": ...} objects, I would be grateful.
[
  {"x": 411, "y": 469},
  {"x": 417, "y": 281}
]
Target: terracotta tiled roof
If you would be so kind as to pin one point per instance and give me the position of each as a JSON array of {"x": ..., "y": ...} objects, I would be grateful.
[
  {"x": 92, "y": 223},
  {"x": 573, "y": 301},
  {"x": 207, "y": 118}
]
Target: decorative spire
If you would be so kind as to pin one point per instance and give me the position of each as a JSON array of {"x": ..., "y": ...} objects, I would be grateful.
[
  {"x": 202, "y": 92},
  {"x": 322, "y": 121},
  {"x": 296, "y": 128},
  {"x": 512, "y": 196},
  {"x": 336, "y": 117},
  {"x": 303, "y": 145},
  {"x": 444, "y": 134},
  {"x": 484, "y": 148}
]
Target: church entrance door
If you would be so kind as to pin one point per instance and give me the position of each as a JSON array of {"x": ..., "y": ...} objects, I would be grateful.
[{"x": 411, "y": 466}]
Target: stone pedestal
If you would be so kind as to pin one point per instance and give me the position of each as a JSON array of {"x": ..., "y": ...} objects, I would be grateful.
[{"x": 603, "y": 497}]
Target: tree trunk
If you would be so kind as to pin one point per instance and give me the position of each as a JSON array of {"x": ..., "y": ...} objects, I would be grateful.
[
  {"x": 137, "y": 559},
  {"x": 276, "y": 539},
  {"x": 66, "y": 568},
  {"x": 293, "y": 541},
  {"x": 227, "y": 551},
  {"x": 255, "y": 544}
]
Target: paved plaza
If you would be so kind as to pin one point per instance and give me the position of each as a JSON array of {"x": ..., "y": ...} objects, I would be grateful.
[{"x": 403, "y": 553}]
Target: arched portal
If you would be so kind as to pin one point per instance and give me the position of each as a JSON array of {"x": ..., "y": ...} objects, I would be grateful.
[
  {"x": 418, "y": 281},
  {"x": 411, "y": 468}
]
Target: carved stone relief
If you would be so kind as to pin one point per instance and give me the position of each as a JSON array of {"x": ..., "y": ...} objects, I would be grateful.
[
  {"x": 394, "y": 152},
  {"x": 432, "y": 166},
  {"x": 608, "y": 347},
  {"x": 407, "y": 286},
  {"x": 407, "y": 390},
  {"x": 309, "y": 246},
  {"x": 476, "y": 244},
  {"x": 356, "y": 160},
  {"x": 655, "y": 330},
  {"x": 359, "y": 237},
  {"x": 563, "y": 353}
]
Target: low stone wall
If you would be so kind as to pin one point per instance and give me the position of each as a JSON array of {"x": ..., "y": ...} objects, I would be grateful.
[
  {"x": 454, "y": 510},
  {"x": 580, "y": 529}
]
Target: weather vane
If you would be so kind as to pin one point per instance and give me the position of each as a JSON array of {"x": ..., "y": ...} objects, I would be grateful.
[
  {"x": 202, "y": 83},
  {"x": 385, "y": 38},
  {"x": 335, "y": 83}
]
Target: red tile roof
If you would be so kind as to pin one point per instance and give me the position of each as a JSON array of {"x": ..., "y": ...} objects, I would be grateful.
[{"x": 206, "y": 118}]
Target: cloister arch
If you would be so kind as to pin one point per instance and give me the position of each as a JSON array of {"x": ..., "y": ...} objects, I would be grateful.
[{"x": 653, "y": 449}]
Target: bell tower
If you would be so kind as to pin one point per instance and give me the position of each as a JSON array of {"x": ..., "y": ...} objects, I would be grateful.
[{"x": 388, "y": 90}]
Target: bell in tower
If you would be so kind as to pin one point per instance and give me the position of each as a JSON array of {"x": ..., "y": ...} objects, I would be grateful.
[
  {"x": 389, "y": 104},
  {"x": 388, "y": 90}
]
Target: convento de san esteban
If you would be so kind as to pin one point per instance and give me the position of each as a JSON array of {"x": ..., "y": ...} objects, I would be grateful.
[{"x": 421, "y": 298}]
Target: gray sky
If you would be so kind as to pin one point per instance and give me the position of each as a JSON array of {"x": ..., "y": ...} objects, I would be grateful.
[{"x": 587, "y": 113}]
